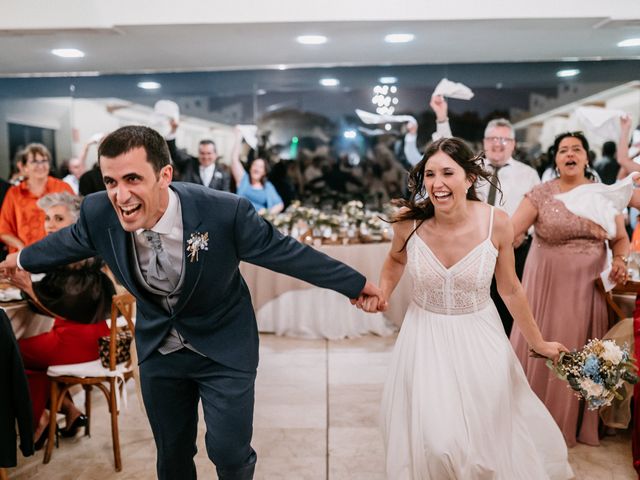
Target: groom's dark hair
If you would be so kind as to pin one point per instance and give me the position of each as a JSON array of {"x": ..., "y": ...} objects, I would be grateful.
[{"x": 134, "y": 136}]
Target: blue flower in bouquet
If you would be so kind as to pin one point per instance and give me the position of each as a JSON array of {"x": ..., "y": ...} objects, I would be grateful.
[{"x": 591, "y": 367}]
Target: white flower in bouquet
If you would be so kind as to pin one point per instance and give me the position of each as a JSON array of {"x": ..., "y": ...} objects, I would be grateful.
[
  {"x": 612, "y": 353},
  {"x": 592, "y": 388}
]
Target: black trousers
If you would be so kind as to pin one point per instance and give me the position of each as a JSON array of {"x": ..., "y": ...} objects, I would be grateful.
[
  {"x": 521, "y": 257},
  {"x": 172, "y": 385}
]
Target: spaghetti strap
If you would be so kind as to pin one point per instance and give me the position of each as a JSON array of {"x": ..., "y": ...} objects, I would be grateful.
[{"x": 493, "y": 209}]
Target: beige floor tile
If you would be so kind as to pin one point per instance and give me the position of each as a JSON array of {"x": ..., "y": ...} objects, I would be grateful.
[
  {"x": 291, "y": 468},
  {"x": 290, "y": 442},
  {"x": 350, "y": 442},
  {"x": 354, "y": 405},
  {"x": 369, "y": 467}
]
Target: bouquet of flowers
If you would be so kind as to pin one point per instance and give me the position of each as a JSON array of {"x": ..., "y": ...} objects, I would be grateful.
[{"x": 597, "y": 371}]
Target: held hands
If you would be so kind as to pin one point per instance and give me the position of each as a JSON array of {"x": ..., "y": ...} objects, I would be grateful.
[{"x": 371, "y": 299}]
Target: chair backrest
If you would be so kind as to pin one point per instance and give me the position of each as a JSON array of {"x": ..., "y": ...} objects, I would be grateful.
[
  {"x": 122, "y": 304},
  {"x": 615, "y": 312}
]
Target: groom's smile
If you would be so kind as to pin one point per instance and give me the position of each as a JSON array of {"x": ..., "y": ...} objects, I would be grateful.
[{"x": 138, "y": 194}]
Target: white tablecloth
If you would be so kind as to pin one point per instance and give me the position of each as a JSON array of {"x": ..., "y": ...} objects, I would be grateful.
[{"x": 287, "y": 306}]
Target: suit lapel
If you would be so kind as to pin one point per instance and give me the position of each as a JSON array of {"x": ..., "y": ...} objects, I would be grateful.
[
  {"x": 191, "y": 225},
  {"x": 119, "y": 244}
]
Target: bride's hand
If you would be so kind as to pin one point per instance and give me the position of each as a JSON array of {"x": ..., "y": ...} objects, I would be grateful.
[{"x": 550, "y": 350}]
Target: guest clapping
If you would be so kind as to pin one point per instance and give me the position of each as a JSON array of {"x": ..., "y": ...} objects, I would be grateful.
[
  {"x": 568, "y": 253},
  {"x": 79, "y": 297},
  {"x": 21, "y": 221}
]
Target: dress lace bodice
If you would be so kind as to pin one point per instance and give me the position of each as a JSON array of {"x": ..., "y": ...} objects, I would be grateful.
[{"x": 462, "y": 288}]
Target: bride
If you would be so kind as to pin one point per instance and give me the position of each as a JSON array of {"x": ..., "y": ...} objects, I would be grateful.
[{"x": 456, "y": 403}]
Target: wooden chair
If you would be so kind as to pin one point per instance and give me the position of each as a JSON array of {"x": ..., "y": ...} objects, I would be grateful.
[
  {"x": 615, "y": 311},
  {"x": 111, "y": 381}
]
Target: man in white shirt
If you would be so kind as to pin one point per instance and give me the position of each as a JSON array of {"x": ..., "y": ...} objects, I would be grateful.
[
  {"x": 515, "y": 179},
  {"x": 76, "y": 169}
]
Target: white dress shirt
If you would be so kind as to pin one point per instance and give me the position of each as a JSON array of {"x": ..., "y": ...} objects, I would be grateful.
[
  {"x": 206, "y": 173},
  {"x": 516, "y": 179},
  {"x": 170, "y": 229}
]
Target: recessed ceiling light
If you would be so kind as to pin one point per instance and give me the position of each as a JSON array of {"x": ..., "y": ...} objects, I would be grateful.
[
  {"x": 569, "y": 72},
  {"x": 329, "y": 82},
  {"x": 387, "y": 80},
  {"x": 350, "y": 134},
  {"x": 261, "y": 91},
  {"x": 399, "y": 37},
  {"x": 630, "y": 42},
  {"x": 282, "y": 67},
  {"x": 68, "y": 52},
  {"x": 149, "y": 85},
  {"x": 311, "y": 39}
]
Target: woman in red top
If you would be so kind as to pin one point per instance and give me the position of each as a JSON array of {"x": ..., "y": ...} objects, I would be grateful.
[
  {"x": 21, "y": 221},
  {"x": 79, "y": 296}
]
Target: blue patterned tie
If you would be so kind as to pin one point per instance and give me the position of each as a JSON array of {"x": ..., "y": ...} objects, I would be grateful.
[{"x": 160, "y": 275}]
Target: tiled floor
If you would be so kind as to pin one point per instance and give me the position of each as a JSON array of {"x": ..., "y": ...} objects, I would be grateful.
[{"x": 316, "y": 418}]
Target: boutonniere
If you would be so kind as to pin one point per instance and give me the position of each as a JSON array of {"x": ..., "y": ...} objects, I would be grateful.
[{"x": 198, "y": 241}]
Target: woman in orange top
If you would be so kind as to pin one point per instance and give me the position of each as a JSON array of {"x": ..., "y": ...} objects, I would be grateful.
[{"x": 21, "y": 221}]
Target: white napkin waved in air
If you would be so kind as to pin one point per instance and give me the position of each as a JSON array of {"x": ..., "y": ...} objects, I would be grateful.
[
  {"x": 602, "y": 123},
  {"x": 372, "y": 132},
  {"x": 250, "y": 135},
  {"x": 450, "y": 89},
  {"x": 600, "y": 203},
  {"x": 374, "y": 118}
]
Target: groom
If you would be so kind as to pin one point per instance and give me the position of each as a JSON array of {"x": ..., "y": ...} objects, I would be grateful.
[{"x": 176, "y": 248}]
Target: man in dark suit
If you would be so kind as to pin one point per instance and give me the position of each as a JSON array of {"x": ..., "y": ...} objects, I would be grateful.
[
  {"x": 202, "y": 170},
  {"x": 176, "y": 248}
]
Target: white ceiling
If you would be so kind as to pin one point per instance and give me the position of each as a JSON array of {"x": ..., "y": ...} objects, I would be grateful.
[{"x": 198, "y": 40}]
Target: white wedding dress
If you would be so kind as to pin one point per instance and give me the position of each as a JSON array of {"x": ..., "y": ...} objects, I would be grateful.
[{"x": 456, "y": 403}]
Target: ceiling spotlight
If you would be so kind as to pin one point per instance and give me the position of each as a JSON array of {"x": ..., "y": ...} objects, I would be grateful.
[
  {"x": 387, "y": 126},
  {"x": 149, "y": 85},
  {"x": 311, "y": 39},
  {"x": 630, "y": 42},
  {"x": 282, "y": 67},
  {"x": 399, "y": 37},
  {"x": 329, "y": 82},
  {"x": 350, "y": 134},
  {"x": 261, "y": 91},
  {"x": 68, "y": 52},
  {"x": 393, "y": 89},
  {"x": 387, "y": 80},
  {"x": 568, "y": 72}
]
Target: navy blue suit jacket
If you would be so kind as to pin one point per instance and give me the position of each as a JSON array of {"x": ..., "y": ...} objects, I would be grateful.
[{"x": 214, "y": 311}]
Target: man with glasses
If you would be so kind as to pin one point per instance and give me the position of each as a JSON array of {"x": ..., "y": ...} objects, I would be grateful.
[{"x": 515, "y": 179}]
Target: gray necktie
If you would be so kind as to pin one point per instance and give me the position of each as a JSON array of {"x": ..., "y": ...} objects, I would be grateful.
[
  {"x": 160, "y": 273},
  {"x": 491, "y": 199}
]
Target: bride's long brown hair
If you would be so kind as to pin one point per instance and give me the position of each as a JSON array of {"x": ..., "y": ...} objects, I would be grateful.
[{"x": 419, "y": 206}]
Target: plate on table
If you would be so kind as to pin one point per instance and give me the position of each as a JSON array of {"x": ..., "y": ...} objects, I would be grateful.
[{"x": 10, "y": 294}]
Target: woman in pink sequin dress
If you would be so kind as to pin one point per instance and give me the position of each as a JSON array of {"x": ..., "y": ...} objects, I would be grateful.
[{"x": 567, "y": 255}]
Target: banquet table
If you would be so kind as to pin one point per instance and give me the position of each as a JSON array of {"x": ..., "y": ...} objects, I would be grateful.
[{"x": 292, "y": 307}]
